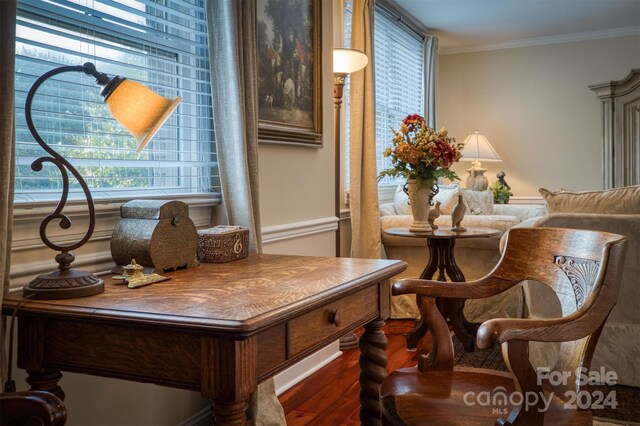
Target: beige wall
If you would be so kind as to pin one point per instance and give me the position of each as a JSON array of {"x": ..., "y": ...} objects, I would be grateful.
[
  {"x": 297, "y": 184},
  {"x": 536, "y": 109}
]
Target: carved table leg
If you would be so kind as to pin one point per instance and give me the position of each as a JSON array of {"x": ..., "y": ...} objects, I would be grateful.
[
  {"x": 229, "y": 377},
  {"x": 373, "y": 370},
  {"x": 463, "y": 329},
  {"x": 46, "y": 380},
  {"x": 420, "y": 328},
  {"x": 230, "y": 413}
]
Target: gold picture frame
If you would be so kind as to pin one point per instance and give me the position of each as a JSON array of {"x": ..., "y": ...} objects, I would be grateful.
[{"x": 289, "y": 49}]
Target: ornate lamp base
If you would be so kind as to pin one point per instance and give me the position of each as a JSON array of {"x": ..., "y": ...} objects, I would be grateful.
[
  {"x": 476, "y": 180},
  {"x": 64, "y": 285}
]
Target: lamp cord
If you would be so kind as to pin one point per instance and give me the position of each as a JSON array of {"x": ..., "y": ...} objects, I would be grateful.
[{"x": 10, "y": 384}]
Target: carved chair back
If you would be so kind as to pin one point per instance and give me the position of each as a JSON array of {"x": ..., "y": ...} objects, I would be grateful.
[{"x": 583, "y": 268}]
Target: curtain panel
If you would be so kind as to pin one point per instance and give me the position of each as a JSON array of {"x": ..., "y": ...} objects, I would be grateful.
[
  {"x": 430, "y": 64},
  {"x": 234, "y": 87},
  {"x": 7, "y": 160},
  {"x": 365, "y": 216}
]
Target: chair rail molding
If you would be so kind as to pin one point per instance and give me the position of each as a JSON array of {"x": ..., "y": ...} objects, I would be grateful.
[
  {"x": 272, "y": 234},
  {"x": 621, "y": 130}
]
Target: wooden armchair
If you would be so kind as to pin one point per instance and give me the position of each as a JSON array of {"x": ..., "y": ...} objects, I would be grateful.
[
  {"x": 582, "y": 267},
  {"x": 31, "y": 408}
]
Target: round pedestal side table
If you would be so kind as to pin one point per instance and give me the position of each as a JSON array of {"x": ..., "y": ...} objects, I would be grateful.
[{"x": 441, "y": 243}]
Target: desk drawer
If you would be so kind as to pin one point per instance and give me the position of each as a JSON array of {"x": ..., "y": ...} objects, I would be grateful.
[{"x": 331, "y": 319}]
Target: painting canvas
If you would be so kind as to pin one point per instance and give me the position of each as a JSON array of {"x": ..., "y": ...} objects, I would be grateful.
[{"x": 288, "y": 73}]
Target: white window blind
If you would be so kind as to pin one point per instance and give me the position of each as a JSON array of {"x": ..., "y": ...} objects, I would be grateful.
[
  {"x": 398, "y": 79},
  {"x": 159, "y": 43}
]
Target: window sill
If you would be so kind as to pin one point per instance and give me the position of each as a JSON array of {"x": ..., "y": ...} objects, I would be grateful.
[
  {"x": 24, "y": 211},
  {"x": 30, "y": 257}
]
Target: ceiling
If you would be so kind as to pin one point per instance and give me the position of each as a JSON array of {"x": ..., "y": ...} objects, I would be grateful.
[{"x": 472, "y": 25}]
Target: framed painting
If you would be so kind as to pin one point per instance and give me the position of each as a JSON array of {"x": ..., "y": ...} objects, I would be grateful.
[{"x": 289, "y": 72}]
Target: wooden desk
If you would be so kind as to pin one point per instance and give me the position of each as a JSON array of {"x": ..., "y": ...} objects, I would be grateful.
[
  {"x": 218, "y": 328},
  {"x": 441, "y": 243}
]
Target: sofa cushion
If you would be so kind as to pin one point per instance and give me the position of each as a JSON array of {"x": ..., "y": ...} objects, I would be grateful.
[
  {"x": 625, "y": 200},
  {"x": 478, "y": 202},
  {"x": 401, "y": 201},
  {"x": 448, "y": 197}
]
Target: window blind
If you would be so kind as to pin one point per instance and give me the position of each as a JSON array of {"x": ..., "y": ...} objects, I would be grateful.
[
  {"x": 159, "y": 43},
  {"x": 398, "y": 74}
]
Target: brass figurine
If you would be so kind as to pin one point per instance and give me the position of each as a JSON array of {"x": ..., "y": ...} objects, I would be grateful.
[{"x": 134, "y": 276}]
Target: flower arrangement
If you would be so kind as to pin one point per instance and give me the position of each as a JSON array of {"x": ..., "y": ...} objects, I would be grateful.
[{"x": 419, "y": 152}]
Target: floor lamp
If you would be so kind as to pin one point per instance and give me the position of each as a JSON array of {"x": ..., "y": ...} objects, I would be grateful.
[
  {"x": 345, "y": 62},
  {"x": 138, "y": 109}
]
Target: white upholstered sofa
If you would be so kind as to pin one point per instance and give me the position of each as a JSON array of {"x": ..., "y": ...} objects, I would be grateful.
[
  {"x": 475, "y": 256},
  {"x": 616, "y": 211}
]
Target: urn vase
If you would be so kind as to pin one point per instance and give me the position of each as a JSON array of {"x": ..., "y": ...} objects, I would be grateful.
[{"x": 419, "y": 192}]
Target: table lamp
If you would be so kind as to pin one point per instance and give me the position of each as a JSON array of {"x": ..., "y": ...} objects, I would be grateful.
[
  {"x": 138, "y": 109},
  {"x": 345, "y": 62},
  {"x": 477, "y": 148}
]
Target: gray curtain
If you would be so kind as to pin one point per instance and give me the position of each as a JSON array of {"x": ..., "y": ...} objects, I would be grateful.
[
  {"x": 365, "y": 216},
  {"x": 234, "y": 84},
  {"x": 234, "y": 73},
  {"x": 430, "y": 63},
  {"x": 7, "y": 137}
]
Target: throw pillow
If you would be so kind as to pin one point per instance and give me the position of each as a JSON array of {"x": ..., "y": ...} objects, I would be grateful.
[
  {"x": 401, "y": 201},
  {"x": 625, "y": 200},
  {"x": 448, "y": 198},
  {"x": 478, "y": 202}
]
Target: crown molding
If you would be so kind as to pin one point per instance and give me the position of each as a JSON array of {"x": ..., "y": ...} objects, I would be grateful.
[{"x": 547, "y": 40}]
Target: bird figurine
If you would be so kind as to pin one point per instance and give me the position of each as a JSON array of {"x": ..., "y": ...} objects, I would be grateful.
[
  {"x": 458, "y": 214},
  {"x": 434, "y": 213}
]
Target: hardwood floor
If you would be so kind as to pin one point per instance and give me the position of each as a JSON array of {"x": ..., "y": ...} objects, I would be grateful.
[{"x": 331, "y": 395}]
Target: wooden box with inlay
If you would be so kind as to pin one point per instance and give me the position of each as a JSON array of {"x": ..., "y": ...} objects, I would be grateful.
[{"x": 223, "y": 244}]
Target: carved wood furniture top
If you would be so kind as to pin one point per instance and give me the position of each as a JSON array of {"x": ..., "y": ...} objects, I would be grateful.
[
  {"x": 243, "y": 295},
  {"x": 444, "y": 233},
  {"x": 219, "y": 329}
]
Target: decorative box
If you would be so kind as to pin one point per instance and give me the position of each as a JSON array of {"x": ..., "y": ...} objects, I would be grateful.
[
  {"x": 158, "y": 234},
  {"x": 222, "y": 244}
]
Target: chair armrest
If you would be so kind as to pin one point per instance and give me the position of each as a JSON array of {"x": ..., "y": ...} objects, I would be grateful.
[
  {"x": 479, "y": 289},
  {"x": 565, "y": 329},
  {"x": 32, "y": 407}
]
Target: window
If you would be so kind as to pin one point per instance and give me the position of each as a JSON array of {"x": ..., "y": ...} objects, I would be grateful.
[
  {"x": 159, "y": 43},
  {"x": 398, "y": 79}
]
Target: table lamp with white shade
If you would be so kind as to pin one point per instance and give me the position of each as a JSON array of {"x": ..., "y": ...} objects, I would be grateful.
[{"x": 476, "y": 149}]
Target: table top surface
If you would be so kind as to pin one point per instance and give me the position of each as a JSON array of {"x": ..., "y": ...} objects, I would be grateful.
[
  {"x": 242, "y": 295},
  {"x": 444, "y": 233}
]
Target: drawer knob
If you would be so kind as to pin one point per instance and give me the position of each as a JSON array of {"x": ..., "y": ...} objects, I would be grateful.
[{"x": 334, "y": 317}]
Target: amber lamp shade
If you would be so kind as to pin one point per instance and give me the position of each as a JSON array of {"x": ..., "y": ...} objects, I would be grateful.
[{"x": 140, "y": 110}]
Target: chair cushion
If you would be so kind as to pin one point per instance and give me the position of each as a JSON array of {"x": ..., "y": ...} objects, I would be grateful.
[
  {"x": 624, "y": 200},
  {"x": 451, "y": 398}
]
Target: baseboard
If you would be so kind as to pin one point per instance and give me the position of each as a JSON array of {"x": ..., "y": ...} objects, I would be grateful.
[
  {"x": 303, "y": 369},
  {"x": 201, "y": 418}
]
